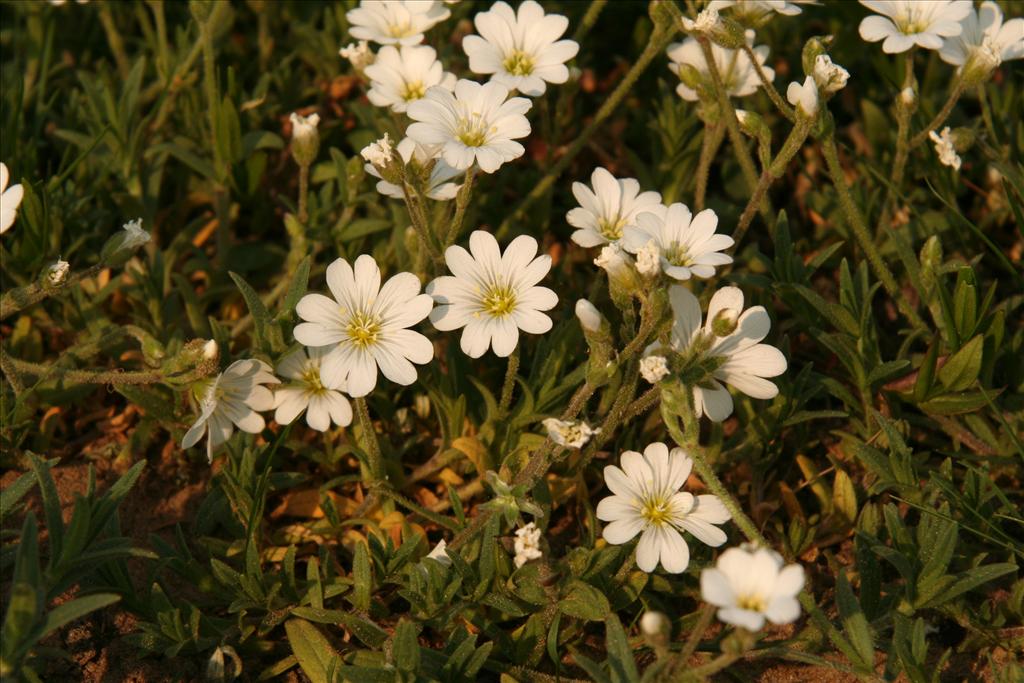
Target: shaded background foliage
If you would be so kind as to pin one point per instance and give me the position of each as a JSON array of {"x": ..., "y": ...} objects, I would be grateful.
[{"x": 889, "y": 464}]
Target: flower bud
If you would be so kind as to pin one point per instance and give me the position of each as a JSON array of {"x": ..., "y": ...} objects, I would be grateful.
[
  {"x": 908, "y": 99},
  {"x": 728, "y": 33},
  {"x": 305, "y": 138},
  {"x": 813, "y": 48},
  {"x": 590, "y": 318},
  {"x": 57, "y": 274},
  {"x": 623, "y": 280},
  {"x": 597, "y": 331},
  {"x": 654, "y": 368},
  {"x": 690, "y": 77},
  {"x": 210, "y": 350},
  {"x": 829, "y": 76},
  {"x": 654, "y": 624}
]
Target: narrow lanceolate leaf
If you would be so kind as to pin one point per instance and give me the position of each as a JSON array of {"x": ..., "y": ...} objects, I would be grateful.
[
  {"x": 311, "y": 648},
  {"x": 67, "y": 612},
  {"x": 855, "y": 624},
  {"x": 962, "y": 368},
  {"x": 257, "y": 309}
]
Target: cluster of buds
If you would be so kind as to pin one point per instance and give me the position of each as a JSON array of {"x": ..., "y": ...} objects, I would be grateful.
[{"x": 509, "y": 501}]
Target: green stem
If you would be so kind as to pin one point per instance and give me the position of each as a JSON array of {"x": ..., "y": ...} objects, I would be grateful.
[
  {"x": 589, "y": 19},
  {"x": 713, "y": 135},
  {"x": 303, "y": 192},
  {"x": 940, "y": 118},
  {"x": 862, "y": 234},
  {"x": 461, "y": 203},
  {"x": 27, "y": 295},
  {"x": 440, "y": 520},
  {"x": 376, "y": 460},
  {"x": 115, "y": 377},
  {"x": 986, "y": 114},
  {"x": 768, "y": 86},
  {"x": 899, "y": 164},
  {"x": 707, "y": 614},
  {"x": 509, "y": 384},
  {"x": 114, "y": 40}
]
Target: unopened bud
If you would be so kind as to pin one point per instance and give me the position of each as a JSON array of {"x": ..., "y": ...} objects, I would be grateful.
[
  {"x": 656, "y": 628},
  {"x": 590, "y": 318},
  {"x": 305, "y": 138},
  {"x": 210, "y": 350},
  {"x": 752, "y": 124},
  {"x": 908, "y": 98},
  {"x": 690, "y": 77},
  {"x": 813, "y": 48}
]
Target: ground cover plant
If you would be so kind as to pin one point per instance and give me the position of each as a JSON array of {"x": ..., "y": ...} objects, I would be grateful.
[{"x": 560, "y": 341}]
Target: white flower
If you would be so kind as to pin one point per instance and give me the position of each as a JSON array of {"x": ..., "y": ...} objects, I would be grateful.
[
  {"x": 134, "y": 236},
  {"x": 521, "y": 49},
  {"x": 985, "y": 36},
  {"x": 755, "y": 11},
  {"x": 395, "y": 22},
  {"x": 750, "y": 585},
  {"x": 402, "y": 75},
  {"x": 804, "y": 97},
  {"x": 359, "y": 54},
  {"x": 307, "y": 392},
  {"x": 10, "y": 198},
  {"x": 569, "y": 433},
  {"x": 912, "y": 22},
  {"x": 945, "y": 149},
  {"x": 57, "y": 273},
  {"x": 647, "y": 500},
  {"x": 378, "y": 152},
  {"x": 231, "y": 400},
  {"x": 439, "y": 186},
  {"x": 687, "y": 245},
  {"x": 492, "y": 295},
  {"x": 734, "y": 66},
  {"x": 305, "y": 138},
  {"x": 611, "y": 207},
  {"x": 706, "y": 20},
  {"x": 829, "y": 76},
  {"x": 476, "y": 123},
  {"x": 527, "y": 544},
  {"x": 729, "y": 338},
  {"x": 653, "y": 368},
  {"x": 365, "y": 324},
  {"x": 439, "y": 555}
]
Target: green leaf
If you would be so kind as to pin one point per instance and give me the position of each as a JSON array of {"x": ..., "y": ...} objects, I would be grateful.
[
  {"x": 10, "y": 496},
  {"x": 51, "y": 505},
  {"x": 405, "y": 648},
  {"x": 363, "y": 227},
  {"x": 620, "y": 655},
  {"x": 75, "y": 609},
  {"x": 583, "y": 601},
  {"x": 855, "y": 624},
  {"x": 958, "y": 403},
  {"x": 926, "y": 373},
  {"x": 363, "y": 578},
  {"x": 23, "y": 607},
  {"x": 311, "y": 648},
  {"x": 297, "y": 289},
  {"x": 962, "y": 368},
  {"x": 844, "y": 497},
  {"x": 970, "y": 580},
  {"x": 259, "y": 312}
]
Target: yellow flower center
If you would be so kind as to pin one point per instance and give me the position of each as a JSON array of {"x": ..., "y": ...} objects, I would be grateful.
[
  {"x": 413, "y": 91},
  {"x": 677, "y": 255},
  {"x": 400, "y": 30},
  {"x": 657, "y": 511},
  {"x": 518, "y": 63},
  {"x": 363, "y": 329},
  {"x": 754, "y": 603},
  {"x": 311, "y": 378},
  {"x": 472, "y": 130},
  {"x": 498, "y": 301},
  {"x": 611, "y": 229}
]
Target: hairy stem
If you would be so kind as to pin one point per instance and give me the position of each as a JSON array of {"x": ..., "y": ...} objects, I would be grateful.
[
  {"x": 509, "y": 385},
  {"x": 461, "y": 203},
  {"x": 713, "y": 135},
  {"x": 116, "y": 376},
  {"x": 303, "y": 192},
  {"x": 22, "y": 297},
  {"x": 768, "y": 86},
  {"x": 376, "y": 460}
]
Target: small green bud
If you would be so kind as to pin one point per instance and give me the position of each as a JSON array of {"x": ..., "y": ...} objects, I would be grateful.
[
  {"x": 728, "y": 33},
  {"x": 305, "y": 138}
]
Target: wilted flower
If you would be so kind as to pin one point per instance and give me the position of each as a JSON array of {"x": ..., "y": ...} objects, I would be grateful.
[
  {"x": 365, "y": 326},
  {"x": 734, "y": 66},
  {"x": 569, "y": 433},
  {"x": 477, "y": 123},
  {"x": 402, "y": 75},
  {"x": 305, "y": 138},
  {"x": 527, "y": 544},
  {"x": 134, "y": 236},
  {"x": 945, "y": 148},
  {"x": 750, "y": 585},
  {"x": 10, "y": 199},
  {"x": 647, "y": 500},
  {"x": 686, "y": 245},
  {"x": 829, "y": 76},
  {"x": 804, "y": 97},
  {"x": 493, "y": 295},
  {"x": 359, "y": 54},
  {"x": 306, "y": 392},
  {"x": 395, "y": 22},
  {"x": 653, "y": 368},
  {"x": 605, "y": 211},
  {"x": 378, "y": 152},
  {"x": 439, "y": 185},
  {"x": 521, "y": 49},
  {"x": 232, "y": 399},
  {"x": 706, "y": 20},
  {"x": 57, "y": 273},
  {"x": 911, "y": 22}
]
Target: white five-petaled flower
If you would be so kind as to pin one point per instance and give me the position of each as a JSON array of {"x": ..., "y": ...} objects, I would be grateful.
[
  {"x": 520, "y": 49},
  {"x": 906, "y": 23},
  {"x": 804, "y": 97},
  {"x": 439, "y": 185},
  {"x": 608, "y": 209},
  {"x": 10, "y": 198},
  {"x": 654, "y": 368},
  {"x": 395, "y": 22},
  {"x": 401, "y": 75},
  {"x": 750, "y": 585},
  {"x": 527, "y": 544},
  {"x": 734, "y": 66},
  {"x": 647, "y": 500},
  {"x": 476, "y": 123},
  {"x": 365, "y": 326},
  {"x": 307, "y": 392},
  {"x": 232, "y": 399},
  {"x": 359, "y": 54},
  {"x": 730, "y": 340},
  {"x": 985, "y": 36},
  {"x": 945, "y": 148},
  {"x": 829, "y": 76},
  {"x": 493, "y": 295},
  {"x": 687, "y": 245},
  {"x": 569, "y": 433}
]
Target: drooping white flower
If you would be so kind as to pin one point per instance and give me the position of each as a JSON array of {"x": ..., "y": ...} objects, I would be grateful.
[
  {"x": 57, "y": 273},
  {"x": 654, "y": 368},
  {"x": 686, "y": 245},
  {"x": 905, "y": 23},
  {"x": 439, "y": 185},
  {"x": 985, "y": 36},
  {"x": 305, "y": 138},
  {"x": 306, "y": 392},
  {"x": 729, "y": 339},
  {"x": 365, "y": 326},
  {"x": 756, "y": 11},
  {"x": 569, "y": 433},
  {"x": 493, "y": 295},
  {"x": 520, "y": 49},
  {"x": 359, "y": 54},
  {"x": 945, "y": 148},
  {"x": 609, "y": 208},
  {"x": 706, "y": 20},
  {"x": 829, "y": 76},
  {"x": 402, "y": 75},
  {"x": 750, "y": 585},
  {"x": 10, "y": 199},
  {"x": 395, "y": 22},
  {"x": 647, "y": 500},
  {"x": 527, "y": 544},
  {"x": 734, "y": 66},
  {"x": 804, "y": 97},
  {"x": 134, "y": 236},
  {"x": 232, "y": 399},
  {"x": 378, "y": 152},
  {"x": 477, "y": 123}
]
